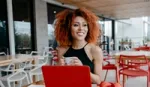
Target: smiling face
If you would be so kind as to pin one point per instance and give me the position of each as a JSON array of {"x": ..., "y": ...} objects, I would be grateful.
[{"x": 79, "y": 28}]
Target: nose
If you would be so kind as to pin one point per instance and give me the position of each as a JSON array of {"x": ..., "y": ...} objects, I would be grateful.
[{"x": 80, "y": 27}]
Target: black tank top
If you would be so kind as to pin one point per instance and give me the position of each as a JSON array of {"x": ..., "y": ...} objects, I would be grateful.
[{"x": 81, "y": 54}]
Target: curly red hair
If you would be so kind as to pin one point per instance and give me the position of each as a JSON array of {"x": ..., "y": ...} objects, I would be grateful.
[{"x": 64, "y": 22}]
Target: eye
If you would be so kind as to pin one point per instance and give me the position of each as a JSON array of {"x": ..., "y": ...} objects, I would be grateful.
[
  {"x": 84, "y": 25},
  {"x": 75, "y": 25}
]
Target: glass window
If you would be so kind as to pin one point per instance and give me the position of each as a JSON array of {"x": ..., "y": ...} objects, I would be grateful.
[
  {"x": 122, "y": 37},
  {"x": 146, "y": 30},
  {"x": 4, "y": 43},
  {"x": 106, "y": 27},
  {"x": 22, "y": 12}
]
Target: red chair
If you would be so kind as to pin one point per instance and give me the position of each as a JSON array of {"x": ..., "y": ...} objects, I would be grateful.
[
  {"x": 142, "y": 48},
  {"x": 109, "y": 66},
  {"x": 131, "y": 66},
  {"x": 136, "y": 49}
]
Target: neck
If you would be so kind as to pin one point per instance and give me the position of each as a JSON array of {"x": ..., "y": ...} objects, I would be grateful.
[{"x": 78, "y": 44}]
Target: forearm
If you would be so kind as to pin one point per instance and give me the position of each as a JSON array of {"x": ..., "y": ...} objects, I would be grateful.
[
  {"x": 60, "y": 62},
  {"x": 95, "y": 78}
]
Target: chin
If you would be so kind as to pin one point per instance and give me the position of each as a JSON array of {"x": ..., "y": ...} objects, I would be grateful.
[{"x": 80, "y": 39}]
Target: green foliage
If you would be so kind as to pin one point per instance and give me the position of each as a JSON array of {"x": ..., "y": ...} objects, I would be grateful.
[{"x": 22, "y": 40}]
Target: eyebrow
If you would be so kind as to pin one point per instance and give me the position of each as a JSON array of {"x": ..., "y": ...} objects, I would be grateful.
[{"x": 79, "y": 22}]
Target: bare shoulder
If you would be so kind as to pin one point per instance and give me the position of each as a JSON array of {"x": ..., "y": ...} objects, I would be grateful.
[
  {"x": 96, "y": 51},
  {"x": 62, "y": 50}
]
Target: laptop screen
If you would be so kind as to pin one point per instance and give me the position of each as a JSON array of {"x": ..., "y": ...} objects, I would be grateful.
[{"x": 66, "y": 76}]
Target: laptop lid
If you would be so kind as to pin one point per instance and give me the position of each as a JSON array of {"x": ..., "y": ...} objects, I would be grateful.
[{"x": 66, "y": 76}]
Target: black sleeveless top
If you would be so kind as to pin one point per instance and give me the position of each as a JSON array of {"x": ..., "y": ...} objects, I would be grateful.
[{"x": 81, "y": 54}]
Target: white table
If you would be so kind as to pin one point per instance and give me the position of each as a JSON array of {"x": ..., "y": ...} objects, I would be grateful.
[{"x": 117, "y": 55}]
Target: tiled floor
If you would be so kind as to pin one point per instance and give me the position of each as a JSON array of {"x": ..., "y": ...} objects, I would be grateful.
[{"x": 131, "y": 82}]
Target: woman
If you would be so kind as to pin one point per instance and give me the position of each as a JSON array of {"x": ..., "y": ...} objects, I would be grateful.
[{"x": 77, "y": 32}]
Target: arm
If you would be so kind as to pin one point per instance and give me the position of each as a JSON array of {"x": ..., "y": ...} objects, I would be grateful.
[
  {"x": 61, "y": 51},
  {"x": 98, "y": 59}
]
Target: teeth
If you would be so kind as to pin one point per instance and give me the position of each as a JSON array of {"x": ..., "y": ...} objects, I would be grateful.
[{"x": 80, "y": 33}]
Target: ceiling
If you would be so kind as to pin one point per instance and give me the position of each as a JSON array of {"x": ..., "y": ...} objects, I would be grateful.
[{"x": 115, "y": 9}]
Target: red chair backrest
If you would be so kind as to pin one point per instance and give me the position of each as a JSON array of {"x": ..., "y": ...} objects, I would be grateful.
[
  {"x": 136, "y": 49},
  {"x": 144, "y": 48},
  {"x": 132, "y": 61}
]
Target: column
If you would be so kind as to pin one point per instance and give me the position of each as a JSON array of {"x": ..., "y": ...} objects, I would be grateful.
[
  {"x": 10, "y": 27},
  {"x": 41, "y": 25},
  {"x": 113, "y": 34}
]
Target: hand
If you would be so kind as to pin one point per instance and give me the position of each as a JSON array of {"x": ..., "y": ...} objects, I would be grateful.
[
  {"x": 62, "y": 61},
  {"x": 76, "y": 62}
]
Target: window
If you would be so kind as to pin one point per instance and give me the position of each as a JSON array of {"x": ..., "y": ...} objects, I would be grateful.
[
  {"x": 22, "y": 12},
  {"x": 106, "y": 27},
  {"x": 4, "y": 43},
  {"x": 146, "y": 21}
]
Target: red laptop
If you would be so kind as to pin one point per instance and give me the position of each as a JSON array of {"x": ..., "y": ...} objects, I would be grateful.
[{"x": 66, "y": 76}]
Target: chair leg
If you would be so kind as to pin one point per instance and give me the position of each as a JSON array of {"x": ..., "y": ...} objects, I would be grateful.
[
  {"x": 8, "y": 83},
  {"x": 1, "y": 84},
  {"x": 149, "y": 73},
  {"x": 28, "y": 80},
  {"x": 123, "y": 81},
  {"x": 30, "y": 76},
  {"x": 14, "y": 83},
  {"x": 117, "y": 76},
  {"x": 147, "y": 81},
  {"x": 106, "y": 74}
]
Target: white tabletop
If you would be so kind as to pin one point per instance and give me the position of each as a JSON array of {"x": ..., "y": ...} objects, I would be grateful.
[
  {"x": 5, "y": 60},
  {"x": 146, "y": 53}
]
